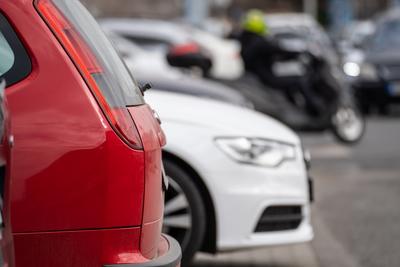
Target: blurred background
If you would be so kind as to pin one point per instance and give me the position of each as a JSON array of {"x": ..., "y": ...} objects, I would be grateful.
[
  {"x": 356, "y": 169},
  {"x": 332, "y": 13}
]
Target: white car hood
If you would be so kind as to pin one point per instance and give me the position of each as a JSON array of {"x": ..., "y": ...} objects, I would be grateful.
[{"x": 224, "y": 119}]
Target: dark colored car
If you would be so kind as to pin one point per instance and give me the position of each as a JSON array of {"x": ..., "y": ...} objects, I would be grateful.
[
  {"x": 200, "y": 88},
  {"x": 375, "y": 69},
  {"x": 87, "y": 184},
  {"x": 180, "y": 49}
]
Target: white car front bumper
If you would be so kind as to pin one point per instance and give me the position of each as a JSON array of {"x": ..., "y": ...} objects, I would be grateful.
[{"x": 242, "y": 193}]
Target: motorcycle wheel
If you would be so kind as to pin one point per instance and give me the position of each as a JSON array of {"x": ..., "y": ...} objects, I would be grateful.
[{"x": 348, "y": 125}]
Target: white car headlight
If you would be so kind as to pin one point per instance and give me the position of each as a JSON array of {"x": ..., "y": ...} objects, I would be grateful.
[{"x": 256, "y": 151}]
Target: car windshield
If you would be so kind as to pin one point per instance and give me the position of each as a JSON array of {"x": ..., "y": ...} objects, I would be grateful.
[{"x": 387, "y": 36}]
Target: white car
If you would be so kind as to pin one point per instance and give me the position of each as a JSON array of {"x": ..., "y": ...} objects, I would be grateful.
[
  {"x": 143, "y": 62},
  {"x": 238, "y": 178},
  {"x": 159, "y": 35},
  {"x": 225, "y": 54}
]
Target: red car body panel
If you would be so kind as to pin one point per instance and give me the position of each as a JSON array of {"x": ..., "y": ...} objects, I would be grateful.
[
  {"x": 78, "y": 248},
  {"x": 80, "y": 196},
  {"x": 152, "y": 221}
]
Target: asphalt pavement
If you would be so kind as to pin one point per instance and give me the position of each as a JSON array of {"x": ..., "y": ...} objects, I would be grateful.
[{"x": 356, "y": 215}]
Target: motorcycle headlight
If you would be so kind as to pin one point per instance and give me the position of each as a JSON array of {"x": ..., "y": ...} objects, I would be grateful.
[
  {"x": 352, "y": 69},
  {"x": 257, "y": 151},
  {"x": 365, "y": 71}
]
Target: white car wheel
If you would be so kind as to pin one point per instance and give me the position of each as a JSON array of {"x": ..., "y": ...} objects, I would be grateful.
[{"x": 184, "y": 212}]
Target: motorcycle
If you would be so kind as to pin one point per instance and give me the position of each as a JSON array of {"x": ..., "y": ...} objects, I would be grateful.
[{"x": 337, "y": 108}]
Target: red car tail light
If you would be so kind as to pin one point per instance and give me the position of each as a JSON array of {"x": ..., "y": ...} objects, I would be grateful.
[
  {"x": 184, "y": 49},
  {"x": 96, "y": 71}
]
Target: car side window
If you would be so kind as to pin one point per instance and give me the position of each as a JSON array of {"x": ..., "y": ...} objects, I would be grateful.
[
  {"x": 6, "y": 55},
  {"x": 15, "y": 63}
]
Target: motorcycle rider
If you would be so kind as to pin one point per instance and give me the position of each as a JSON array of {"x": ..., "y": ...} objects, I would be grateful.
[{"x": 259, "y": 52}]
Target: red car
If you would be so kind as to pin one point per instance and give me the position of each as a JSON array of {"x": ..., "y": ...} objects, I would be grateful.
[{"x": 86, "y": 174}]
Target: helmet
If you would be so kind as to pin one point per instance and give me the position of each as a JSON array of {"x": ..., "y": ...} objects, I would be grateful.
[{"x": 254, "y": 22}]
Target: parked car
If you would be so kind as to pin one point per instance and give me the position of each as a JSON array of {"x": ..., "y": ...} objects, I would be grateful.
[
  {"x": 180, "y": 50},
  {"x": 225, "y": 54},
  {"x": 87, "y": 182},
  {"x": 198, "y": 87},
  {"x": 375, "y": 69},
  {"x": 143, "y": 62},
  {"x": 238, "y": 178},
  {"x": 151, "y": 67}
]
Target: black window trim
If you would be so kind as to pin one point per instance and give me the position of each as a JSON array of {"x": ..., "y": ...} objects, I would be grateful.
[{"x": 22, "y": 66}]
